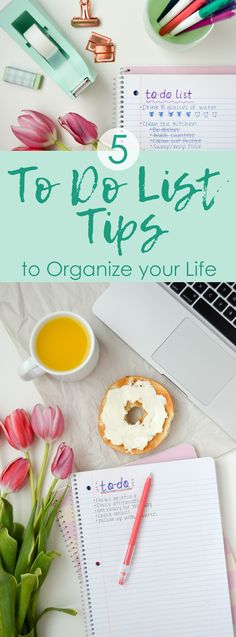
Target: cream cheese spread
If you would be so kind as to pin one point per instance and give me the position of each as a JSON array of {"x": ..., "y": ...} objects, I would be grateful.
[{"x": 114, "y": 414}]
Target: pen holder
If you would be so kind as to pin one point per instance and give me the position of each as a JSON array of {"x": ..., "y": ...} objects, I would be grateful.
[{"x": 183, "y": 40}]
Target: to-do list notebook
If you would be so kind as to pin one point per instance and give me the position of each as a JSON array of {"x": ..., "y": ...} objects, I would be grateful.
[
  {"x": 179, "y": 108},
  {"x": 178, "y": 582}
]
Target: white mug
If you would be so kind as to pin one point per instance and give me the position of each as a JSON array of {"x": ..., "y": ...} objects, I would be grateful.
[{"x": 33, "y": 367}]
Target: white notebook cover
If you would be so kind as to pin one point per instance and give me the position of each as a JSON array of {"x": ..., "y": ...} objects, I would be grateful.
[{"x": 178, "y": 581}]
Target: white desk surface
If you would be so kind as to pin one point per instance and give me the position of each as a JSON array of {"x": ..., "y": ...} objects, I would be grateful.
[
  {"x": 62, "y": 585},
  {"x": 121, "y": 20}
]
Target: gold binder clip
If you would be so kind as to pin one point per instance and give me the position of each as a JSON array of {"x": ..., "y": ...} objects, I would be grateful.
[{"x": 85, "y": 19}]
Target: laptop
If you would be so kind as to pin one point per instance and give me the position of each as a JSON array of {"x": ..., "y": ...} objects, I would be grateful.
[{"x": 187, "y": 332}]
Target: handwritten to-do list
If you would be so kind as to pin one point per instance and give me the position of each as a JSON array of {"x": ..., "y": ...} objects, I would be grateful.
[
  {"x": 180, "y": 112},
  {"x": 177, "y": 583},
  {"x": 123, "y": 503}
]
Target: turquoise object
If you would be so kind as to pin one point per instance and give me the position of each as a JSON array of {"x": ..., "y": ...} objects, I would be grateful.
[{"x": 66, "y": 66}]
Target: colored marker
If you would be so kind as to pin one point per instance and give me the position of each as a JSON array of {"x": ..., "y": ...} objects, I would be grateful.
[
  {"x": 219, "y": 17},
  {"x": 134, "y": 533},
  {"x": 168, "y": 7},
  {"x": 179, "y": 17},
  {"x": 176, "y": 9},
  {"x": 182, "y": 15},
  {"x": 205, "y": 12}
]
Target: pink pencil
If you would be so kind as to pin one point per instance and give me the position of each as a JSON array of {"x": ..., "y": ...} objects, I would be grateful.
[{"x": 134, "y": 533}]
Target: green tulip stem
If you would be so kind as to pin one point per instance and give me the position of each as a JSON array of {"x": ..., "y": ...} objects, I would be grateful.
[
  {"x": 31, "y": 474},
  {"x": 46, "y": 501},
  {"x": 43, "y": 470},
  {"x": 95, "y": 144},
  {"x": 50, "y": 492},
  {"x": 60, "y": 145}
]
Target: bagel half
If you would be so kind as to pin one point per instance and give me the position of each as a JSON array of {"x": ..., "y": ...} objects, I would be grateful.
[{"x": 157, "y": 438}]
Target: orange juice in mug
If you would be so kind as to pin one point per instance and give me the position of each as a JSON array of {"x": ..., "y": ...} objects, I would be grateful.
[{"x": 63, "y": 345}]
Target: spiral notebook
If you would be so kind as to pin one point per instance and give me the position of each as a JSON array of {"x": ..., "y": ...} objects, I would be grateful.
[
  {"x": 66, "y": 517},
  {"x": 178, "y": 581},
  {"x": 179, "y": 108}
]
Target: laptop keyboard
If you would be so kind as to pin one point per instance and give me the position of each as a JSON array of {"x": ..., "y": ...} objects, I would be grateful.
[{"x": 215, "y": 302}]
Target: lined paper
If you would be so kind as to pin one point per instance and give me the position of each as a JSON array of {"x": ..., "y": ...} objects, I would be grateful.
[
  {"x": 180, "y": 112},
  {"x": 178, "y": 582}
]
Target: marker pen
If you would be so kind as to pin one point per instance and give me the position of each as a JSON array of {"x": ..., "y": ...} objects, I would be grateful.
[
  {"x": 182, "y": 15},
  {"x": 217, "y": 17},
  {"x": 204, "y": 12}
]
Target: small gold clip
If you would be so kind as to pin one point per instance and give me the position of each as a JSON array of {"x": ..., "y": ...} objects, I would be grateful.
[
  {"x": 104, "y": 53},
  {"x": 85, "y": 19},
  {"x": 96, "y": 39},
  {"x": 102, "y": 47}
]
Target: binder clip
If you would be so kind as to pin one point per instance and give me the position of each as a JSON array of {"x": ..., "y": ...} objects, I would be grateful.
[{"x": 85, "y": 19}]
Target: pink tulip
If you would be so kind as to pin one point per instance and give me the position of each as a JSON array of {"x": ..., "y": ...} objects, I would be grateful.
[
  {"x": 36, "y": 130},
  {"x": 18, "y": 430},
  {"x": 83, "y": 131},
  {"x": 15, "y": 475},
  {"x": 62, "y": 464},
  {"x": 47, "y": 422}
]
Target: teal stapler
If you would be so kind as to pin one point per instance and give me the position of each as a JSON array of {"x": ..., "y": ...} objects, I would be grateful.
[{"x": 29, "y": 25}]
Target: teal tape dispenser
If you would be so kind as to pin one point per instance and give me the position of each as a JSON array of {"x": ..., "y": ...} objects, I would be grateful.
[{"x": 29, "y": 25}]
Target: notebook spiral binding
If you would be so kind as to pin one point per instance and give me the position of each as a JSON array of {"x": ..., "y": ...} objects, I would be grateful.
[
  {"x": 85, "y": 576},
  {"x": 66, "y": 532},
  {"x": 72, "y": 546},
  {"x": 118, "y": 101}
]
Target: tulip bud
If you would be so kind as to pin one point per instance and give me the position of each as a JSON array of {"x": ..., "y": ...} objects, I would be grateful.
[
  {"x": 47, "y": 422},
  {"x": 15, "y": 475},
  {"x": 18, "y": 430},
  {"x": 36, "y": 130},
  {"x": 62, "y": 464},
  {"x": 83, "y": 131}
]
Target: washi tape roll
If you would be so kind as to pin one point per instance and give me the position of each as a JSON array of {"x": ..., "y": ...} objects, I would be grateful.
[{"x": 40, "y": 42}]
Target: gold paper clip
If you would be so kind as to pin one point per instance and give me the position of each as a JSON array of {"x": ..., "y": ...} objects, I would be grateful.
[
  {"x": 85, "y": 19},
  {"x": 104, "y": 53},
  {"x": 97, "y": 39}
]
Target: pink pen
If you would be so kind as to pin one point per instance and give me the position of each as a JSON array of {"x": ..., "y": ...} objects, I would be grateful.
[
  {"x": 134, "y": 533},
  {"x": 223, "y": 15}
]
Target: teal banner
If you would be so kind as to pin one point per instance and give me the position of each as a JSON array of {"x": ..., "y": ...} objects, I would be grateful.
[{"x": 66, "y": 217}]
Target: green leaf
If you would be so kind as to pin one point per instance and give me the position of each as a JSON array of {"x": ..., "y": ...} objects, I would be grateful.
[
  {"x": 54, "y": 511},
  {"x": 28, "y": 584},
  {"x": 43, "y": 561},
  {"x": 6, "y": 514},
  {"x": 67, "y": 611},
  {"x": 8, "y": 550},
  {"x": 32, "y": 633},
  {"x": 18, "y": 532},
  {"x": 26, "y": 554},
  {"x": 8, "y": 587}
]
